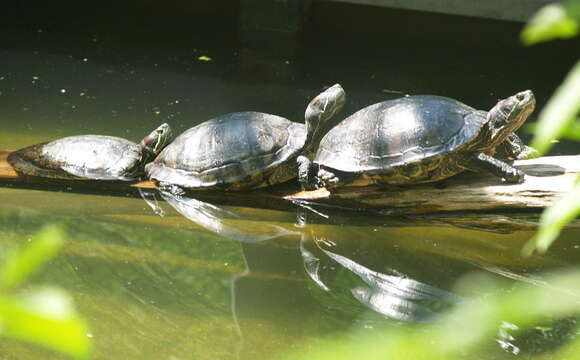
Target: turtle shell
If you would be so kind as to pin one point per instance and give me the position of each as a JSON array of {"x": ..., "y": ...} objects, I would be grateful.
[
  {"x": 233, "y": 149},
  {"x": 399, "y": 132},
  {"x": 80, "y": 157}
]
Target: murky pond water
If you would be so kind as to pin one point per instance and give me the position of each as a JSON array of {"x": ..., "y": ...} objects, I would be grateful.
[{"x": 261, "y": 282}]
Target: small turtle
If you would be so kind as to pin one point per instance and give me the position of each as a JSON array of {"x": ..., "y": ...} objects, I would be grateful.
[
  {"x": 95, "y": 157},
  {"x": 243, "y": 150},
  {"x": 419, "y": 139}
]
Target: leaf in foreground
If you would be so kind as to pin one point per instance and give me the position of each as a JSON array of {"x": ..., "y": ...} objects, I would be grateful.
[
  {"x": 466, "y": 330},
  {"x": 20, "y": 264},
  {"x": 45, "y": 317},
  {"x": 553, "y": 219},
  {"x": 550, "y": 22},
  {"x": 560, "y": 112}
]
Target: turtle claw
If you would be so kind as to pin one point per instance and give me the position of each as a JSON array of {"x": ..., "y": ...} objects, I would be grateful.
[
  {"x": 327, "y": 179},
  {"x": 514, "y": 176},
  {"x": 528, "y": 152}
]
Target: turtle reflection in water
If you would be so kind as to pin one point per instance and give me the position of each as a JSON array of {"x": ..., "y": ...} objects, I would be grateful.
[
  {"x": 95, "y": 157},
  {"x": 419, "y": 139},
  {"x": 389, "y": 292},
  {"x": 243, "y": 150}
]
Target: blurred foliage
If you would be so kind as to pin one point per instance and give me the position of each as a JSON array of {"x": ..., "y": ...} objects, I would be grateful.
[
  {"x": 18, "y": 265},
  {"x": 43, "y": 316},
  {"x": 550, "y": 22},
  {"x": 554, "y": 219},
  {"x": 559, "y": 118},
  {"x": 560, "y": 115},
  {"x": 471, "y": 329}
]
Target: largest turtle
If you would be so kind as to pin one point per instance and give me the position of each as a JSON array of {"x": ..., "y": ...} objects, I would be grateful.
[
  {"x": 243, "y": 150},
  {"x": 419, "y": 139},
  {"x": 94, "y": 157}
]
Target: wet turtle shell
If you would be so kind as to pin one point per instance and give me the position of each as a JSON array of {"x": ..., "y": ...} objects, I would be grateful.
[
  {"x": 399, "y": 132},
  {"x": 237, "y": 148},
  {"x": 96, "y": 157},
  {"x": 417, "y": 139},
  {"x": 243, "y": 150}
]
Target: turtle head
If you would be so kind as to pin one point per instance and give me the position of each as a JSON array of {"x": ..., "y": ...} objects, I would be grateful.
[
  {"x": 509, "y": 114},
  {"x": 157, "y": 140},
  {"x": 321, "y": 109}
]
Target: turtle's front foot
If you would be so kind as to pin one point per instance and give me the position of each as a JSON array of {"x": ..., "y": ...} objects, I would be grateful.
[
  {"x": 328, "y": 179},
  {"x": 513, "y": 148},
  {"x": 527, "y": 152},
  {"x": 513, "y": 176}
]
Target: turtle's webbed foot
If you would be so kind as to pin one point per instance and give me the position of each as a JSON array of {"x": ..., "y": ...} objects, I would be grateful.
[
  {"x": 513, "y": 148},
  {"x": 527, "y": 152},
  {"x": 327, "y": 179},
  {"x": 512, "y": 175}
]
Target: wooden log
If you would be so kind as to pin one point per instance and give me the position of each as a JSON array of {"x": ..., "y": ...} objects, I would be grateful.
[{"x": 547, "y": 179}]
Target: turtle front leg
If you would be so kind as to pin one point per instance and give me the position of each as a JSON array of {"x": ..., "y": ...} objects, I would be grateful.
[
  {"x": 312, "y": 177},
  {"x": 485, "y": 163},
  {"x": 308, "y": 173},
  {"x": 513, "y": 148}
]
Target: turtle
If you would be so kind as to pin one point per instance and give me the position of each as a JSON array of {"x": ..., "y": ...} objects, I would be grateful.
[
  {"x": 90, "y": 157},
  {"x": 419, "y": 139},
  {"x": 243, "y": 150}
]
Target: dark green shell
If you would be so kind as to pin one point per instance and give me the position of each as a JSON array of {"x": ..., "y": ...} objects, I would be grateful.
[
  {"x": 398, "y": 133},
  {"x": 238, "y": 150}
]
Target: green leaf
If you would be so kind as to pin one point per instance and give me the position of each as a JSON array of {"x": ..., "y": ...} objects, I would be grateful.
[
  {"x": 572, "y": 132},
  {"x": 553, "y": 220},
  {"x": 45, "y": 317},
  {"x": 20, "y": 264},
  {"x": 573, "y": 9},
  {"x": 559, "y": 113},
  {"x": 550, "y": 22}
]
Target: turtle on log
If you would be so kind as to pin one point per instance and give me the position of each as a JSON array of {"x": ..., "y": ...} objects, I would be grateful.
[
  {"x": 90, "y": 157},
  {"x": 419, "y": 139},
  {"x": 243, "y": 150}
]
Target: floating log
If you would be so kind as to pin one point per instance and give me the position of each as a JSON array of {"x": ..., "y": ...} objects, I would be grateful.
[{"x": 547, "y": 179}]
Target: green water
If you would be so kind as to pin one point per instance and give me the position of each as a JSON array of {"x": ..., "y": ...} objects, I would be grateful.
[{"x": 155, "y": 287}]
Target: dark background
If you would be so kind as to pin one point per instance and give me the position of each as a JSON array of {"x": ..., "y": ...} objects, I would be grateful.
[{"x": 148, "y": 52}]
